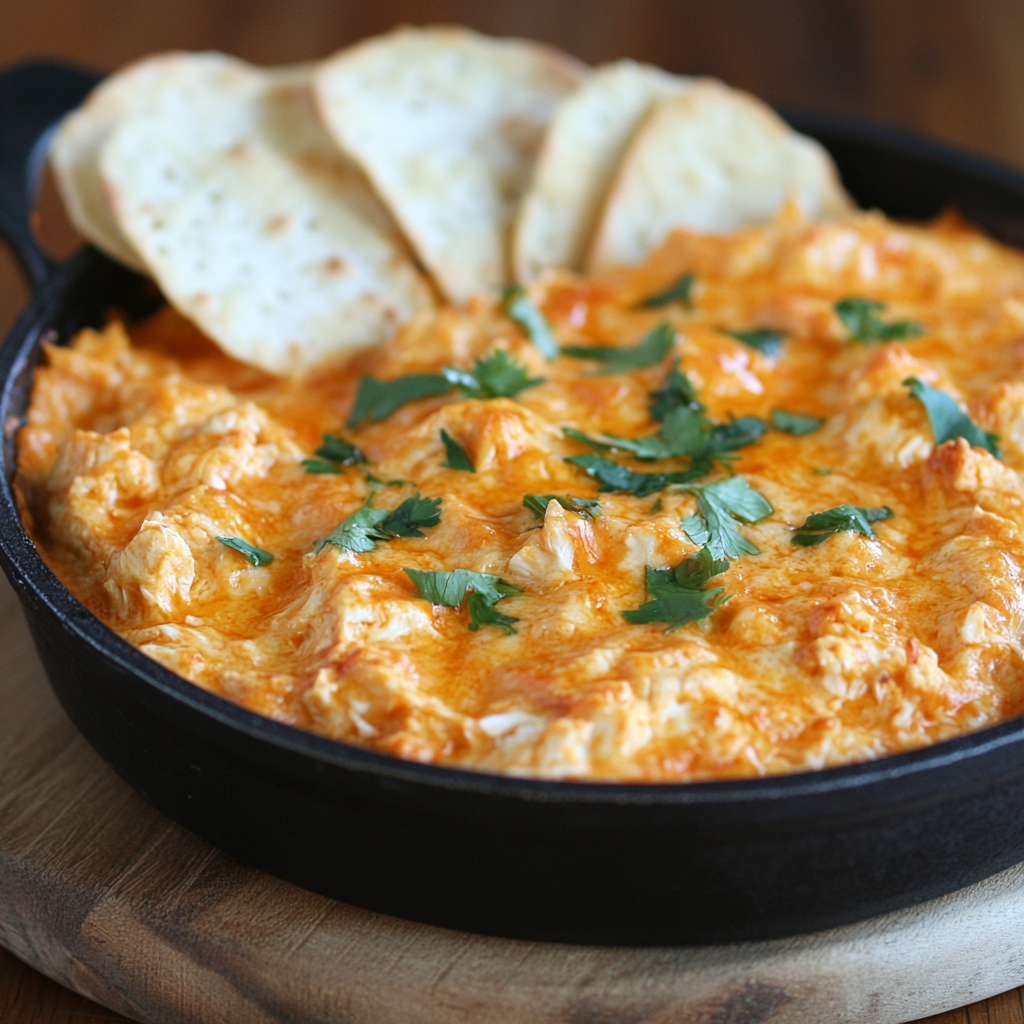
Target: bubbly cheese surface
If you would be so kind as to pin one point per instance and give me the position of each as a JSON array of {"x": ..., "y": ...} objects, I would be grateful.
[{"x": 144, "y": 446}]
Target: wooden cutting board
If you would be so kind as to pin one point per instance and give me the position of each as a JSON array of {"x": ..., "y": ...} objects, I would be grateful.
[{"x": 104, "y": 894}]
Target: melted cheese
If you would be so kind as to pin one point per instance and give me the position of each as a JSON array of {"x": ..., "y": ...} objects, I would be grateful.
[{"x": 140, "y": 452}]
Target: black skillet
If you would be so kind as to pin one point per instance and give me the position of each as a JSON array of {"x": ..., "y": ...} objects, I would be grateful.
[{"x": 625, "y": 864}]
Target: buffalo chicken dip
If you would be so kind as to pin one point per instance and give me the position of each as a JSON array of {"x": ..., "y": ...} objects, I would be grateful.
[{"x": 752, "y": 507}]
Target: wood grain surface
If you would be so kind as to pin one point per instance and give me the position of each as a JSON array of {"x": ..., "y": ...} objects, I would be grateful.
[{"x": 952, "y": 68}]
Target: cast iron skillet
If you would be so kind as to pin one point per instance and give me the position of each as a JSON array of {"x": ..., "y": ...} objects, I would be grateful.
[{"x": 627, "y": 864}]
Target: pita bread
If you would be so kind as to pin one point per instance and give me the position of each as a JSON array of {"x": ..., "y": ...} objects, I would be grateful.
[
  {"x": 253, "y": 224},
  {"x": 446, "y": 123},
  {"x": 578, "y": 159},
  {"x": 710, "y": 159}
]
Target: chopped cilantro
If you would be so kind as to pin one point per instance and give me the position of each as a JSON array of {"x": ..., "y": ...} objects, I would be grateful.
[
  {"x": 685, "y": 432},
  {"x": 362, "y": 530},
  {"x": 794, "y": 423},
  {"x": 378, "y": 399},
  {"x": 677, "y": 595},
  {"x": 649, "y": 351},
  {"x": 612, "y": 476},
  {"x": 585, "y": 508},
  {"x": 450, "y": 589},
  {"x": 257, "y": 556},
  {"x": 714, "y": 526},
  {"x": 319, "y": 466},
  {"x": 337, "y": 449},
  {"x": 861, "y": 319},
  {"x": 333, "y": 453},
  {"x": 681, "y": 291},
  {"x": 657, "y": 507},
  {"x": 819, "y": 526},
  {"x": 457, "y": 457},
  {"x": 678, "y": 390},
  {"x": 948, "y": 420},
  {"x": 762, "y": 339},
  {"x": 522, "y": 309},
  {"x": 823, "y": 471},
  {"x": 495, "y": 376}
]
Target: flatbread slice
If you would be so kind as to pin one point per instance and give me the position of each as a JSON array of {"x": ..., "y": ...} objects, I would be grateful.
[
  {"x": 711, "y": 159},
  {"x": 75, "y": 152},
  {"x": 579, "y": 157},
  {"x": 446, "y": 124},
  {"x": 252, "y": 222}
]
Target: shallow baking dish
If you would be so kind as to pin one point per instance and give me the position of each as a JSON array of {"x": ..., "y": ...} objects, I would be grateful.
[{"x": 578, "y": 862}]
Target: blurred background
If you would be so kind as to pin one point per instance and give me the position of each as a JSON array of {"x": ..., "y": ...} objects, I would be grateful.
[{"x": 951, "y": 68}]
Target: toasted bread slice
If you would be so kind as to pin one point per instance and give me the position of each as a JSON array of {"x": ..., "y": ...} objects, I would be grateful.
[
  {"x": 579, "y": 157},
  {"x": 252, "y": 222},
  {"x": 446, "y": 124},
  {"x": 710, "y": 159}
]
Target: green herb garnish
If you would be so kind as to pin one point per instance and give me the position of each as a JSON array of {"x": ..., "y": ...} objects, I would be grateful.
[
  {"x": 257, "y": 556},
  {"x": 612, "y": 476},
  {"x": 649, "y": 351},
  {"x": 681, "y": 291},
  {"x": 333, "y": 453},
  {"x": 495, "y": 376},
  {"x": 794, "y": 423},
  {"x": 823, "y": 471},
  {"x": 450, "y": 589},
  {"x": 378, "y": 399},
  {"x": 585, "y": 508},
  {"x": 861, "y": 319},
  {"x": 362, "y": 530},
  {"x": 684, "y": 433},
  {"x": 948, "y": 420},
  {"x": 719, "y": 505},
  {"x": 819, "y": 526},
  {"x": 319, "y": 466},
  {"x": 678, "y": 390},
  {"x": 762, "y": 339},
  {"x": 521, "y": 308},
  {"x": 457, "y": 457},
  {"x": 678, "y": 595}
]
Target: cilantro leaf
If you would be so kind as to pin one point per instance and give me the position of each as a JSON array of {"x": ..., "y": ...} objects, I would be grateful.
[
  {"x": 412, "y": 517},
  {"x": 337, "y": 449},
  {"x": 861, "y": 319},
  {"x": 685, "y": 432},
  {"x": 362, "y": 530},
  {"x": 585, "y": 508},
  {"x": 762, "y": 339},
  {"x": 819, "y": 526},
  {"x": 378, "y": 399},
  {"x": 450, "y": 589},
  {"x": 948, "y": 420},
  {"x": 678, "y": 390},
  {"x": 649, "y": 351},
  {"x": 612, "y": 476},
  {"x": 677, "y": 594},
  {"x": 457, "y": 457},
  {"x": 319, "y": 466},
  {"x": 681, "y": 291},
  {"x": 794, "y": 423},
  {"x": 495, "y": 376},
  {"x": 359, "y": 531},
  {"x": 522, "y": 309},
  {"x": 719, "y": 505},
  {"x": 257, "y": 556}
]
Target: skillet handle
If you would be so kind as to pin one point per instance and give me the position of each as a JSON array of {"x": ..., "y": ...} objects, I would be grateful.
[{"x": 33, "y": 97}]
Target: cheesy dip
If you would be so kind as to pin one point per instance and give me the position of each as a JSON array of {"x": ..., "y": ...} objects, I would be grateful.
[{"x": 753, "y": 507}]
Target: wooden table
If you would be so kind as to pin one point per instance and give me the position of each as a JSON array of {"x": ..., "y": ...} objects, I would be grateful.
[{"x": 951, "y": 68}]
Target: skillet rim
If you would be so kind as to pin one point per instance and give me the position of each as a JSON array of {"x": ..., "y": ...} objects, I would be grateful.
[{"x": 32, "y": 576}]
